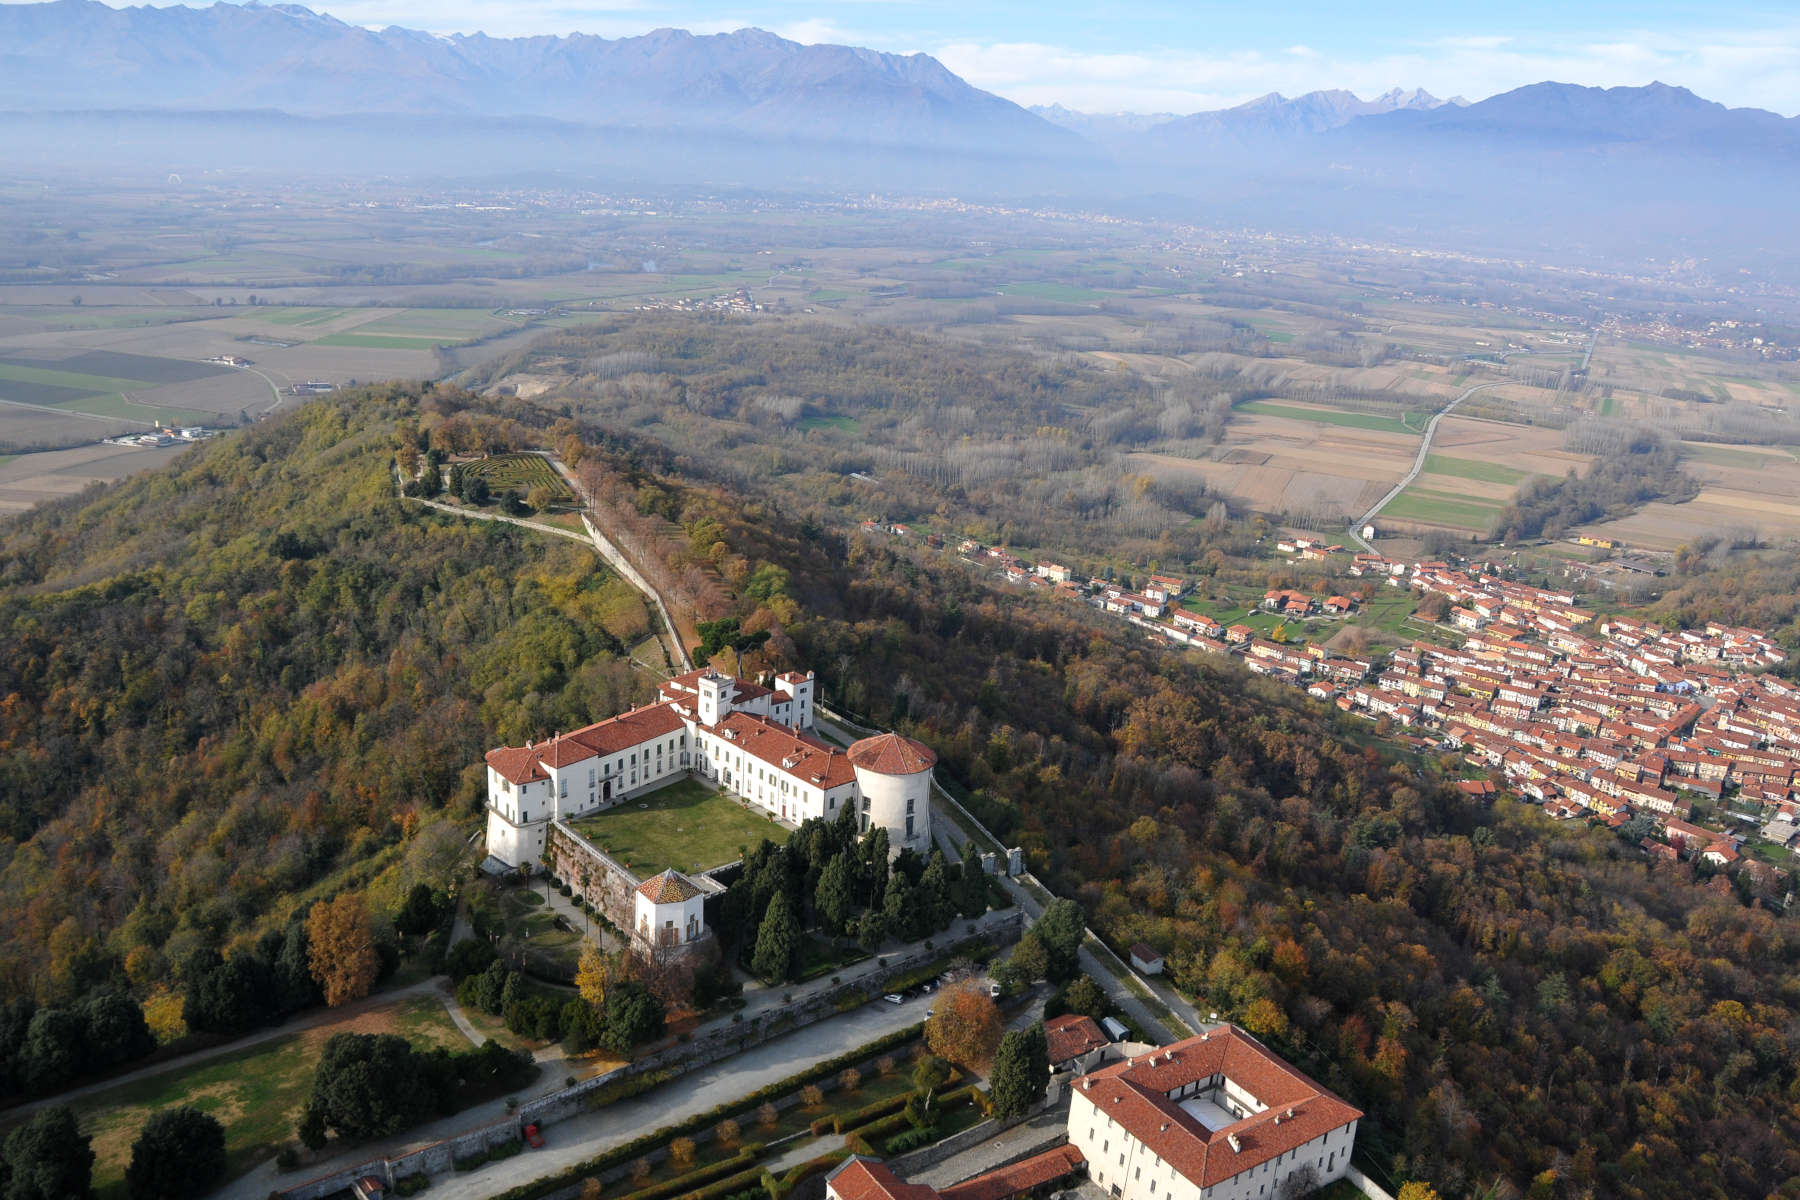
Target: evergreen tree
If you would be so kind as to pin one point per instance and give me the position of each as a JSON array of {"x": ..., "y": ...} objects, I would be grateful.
[
  {"x": 874, "y": 855},
  {"x": 936, "y": 898},
  {"x": 1061, "y": 929},
  {"x": 833, "y": 900},
  {"x": 1021, "y": 1072},
  {"x": 633, "y": 1015},
  {"x": 179, "y": 1152},
  {"x": 114, "y": 1029},
  {"x": 971, "y": 885},
  {"x": 48, "y": 1158},
  {"x": 777, "y": 943},
  {"x": 871, "y": 930},
  {"x": 295, "y": 987},
  {"x": 898, "y": 906},
  {"x": 53, "y": 1050}
]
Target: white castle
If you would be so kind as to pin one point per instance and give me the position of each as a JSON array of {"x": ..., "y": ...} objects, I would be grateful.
[{"x": 748, "y": 738}]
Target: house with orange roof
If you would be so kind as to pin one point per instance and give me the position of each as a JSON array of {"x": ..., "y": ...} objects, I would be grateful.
[{"x": 1216, "y": 1117}]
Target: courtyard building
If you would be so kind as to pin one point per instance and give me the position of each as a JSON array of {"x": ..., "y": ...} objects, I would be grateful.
[{"x": 751, "y": 740}]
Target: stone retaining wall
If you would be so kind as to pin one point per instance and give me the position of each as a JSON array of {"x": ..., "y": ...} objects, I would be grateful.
[{"x": 611, "y": 886}]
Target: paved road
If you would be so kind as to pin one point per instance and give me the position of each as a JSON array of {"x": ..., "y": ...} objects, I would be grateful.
[
  {"x": 1418, "y": 462},
  {"x": 580, "y": 1138}
]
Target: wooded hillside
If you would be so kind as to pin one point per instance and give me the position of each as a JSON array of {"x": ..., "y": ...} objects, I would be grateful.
[{"x": 254, "y": 674}]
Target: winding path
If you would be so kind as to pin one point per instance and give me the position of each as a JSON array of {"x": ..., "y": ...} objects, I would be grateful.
[{"x": 1418, "y": 462}]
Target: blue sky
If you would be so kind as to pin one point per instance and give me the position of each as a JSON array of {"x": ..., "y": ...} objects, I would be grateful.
[{"x": 1163, "y": 55}]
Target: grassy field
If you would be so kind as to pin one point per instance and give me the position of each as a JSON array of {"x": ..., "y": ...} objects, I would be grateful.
[
  {"x": 520, "y": 471},
  {"x": 1442, "y": 508},
  {"x": 1348, "y": 420},
  {"x": 68, "y": 379},
  {"x": 1053, "y": 291},
  {"x": 383, "y": 341},
  {"x": 256, "y": 1094},
  {"x": 687, "y": 825},
  {"x": 842, "y": 424},
  {"x": 1470, "y": 468}
]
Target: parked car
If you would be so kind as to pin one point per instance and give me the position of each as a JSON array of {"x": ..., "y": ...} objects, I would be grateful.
[
  {"x": 534, "y": 1137},
  {"x": 894, "y": 998}
]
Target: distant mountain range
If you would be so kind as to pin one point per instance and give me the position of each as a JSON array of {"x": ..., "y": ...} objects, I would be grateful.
[
  {"x": 1273, "y": 115},
  {"x": 80, "y": 54},
  {"x": 1657, "y": 169}
]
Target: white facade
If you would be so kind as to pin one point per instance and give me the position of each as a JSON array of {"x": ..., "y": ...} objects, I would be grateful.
[
  {"x": 900, "y": 803},
  {"x": 748, "y": 738},
  {"x": 669, "y": 911},
  {"x": 1187, "y": 1122}
]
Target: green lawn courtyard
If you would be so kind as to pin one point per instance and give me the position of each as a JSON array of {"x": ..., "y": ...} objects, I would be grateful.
[{"x": 687, "y": 825}]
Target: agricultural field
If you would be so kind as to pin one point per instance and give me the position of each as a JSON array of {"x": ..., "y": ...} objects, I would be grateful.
[
  {"x": 1743, "y": 489},
  {"x": 1275, "y": 463},
  {"x": 518, "y": 472},
  {"x": 29, "y": 479},
  {"x": 688, "y": 825}
]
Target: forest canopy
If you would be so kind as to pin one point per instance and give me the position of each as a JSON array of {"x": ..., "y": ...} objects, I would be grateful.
[{"x": 250, "y": 680}]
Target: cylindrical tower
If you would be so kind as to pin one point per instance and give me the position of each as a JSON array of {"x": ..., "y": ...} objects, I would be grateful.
[{"x": 893, "y": 778}]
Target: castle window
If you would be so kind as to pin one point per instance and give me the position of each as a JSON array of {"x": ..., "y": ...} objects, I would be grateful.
[{"x": 909, "y": 804}]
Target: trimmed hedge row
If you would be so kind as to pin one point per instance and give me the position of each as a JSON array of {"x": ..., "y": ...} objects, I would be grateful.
[
  {"x": 912, "y": 1139},
  {"x": 781, "y": 1189},
  {"x": 861, "y": 1141},
  {"x": 845, "y": 1122},
  {"x": 745, "y": 1158},
  {"x": 637, "y": 1147}
]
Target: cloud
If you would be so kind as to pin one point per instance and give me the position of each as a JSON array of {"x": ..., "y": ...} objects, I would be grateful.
[{"x": 1761, "y": 71}]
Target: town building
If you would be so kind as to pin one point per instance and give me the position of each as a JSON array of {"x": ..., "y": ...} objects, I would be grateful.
[{"x": 1215, "y": 1117}]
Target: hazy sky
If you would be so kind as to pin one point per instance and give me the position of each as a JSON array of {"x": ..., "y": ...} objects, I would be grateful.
[{"x": 1185, "y": 55}]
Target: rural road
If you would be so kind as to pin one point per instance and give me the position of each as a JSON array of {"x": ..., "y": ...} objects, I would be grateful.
[{"x": 1418, "y": 462}]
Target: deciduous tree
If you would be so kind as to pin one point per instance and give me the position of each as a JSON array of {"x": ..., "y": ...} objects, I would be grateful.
[
  {"x": 341, "y": 946},
  {"x": 964, "y": 1026}
]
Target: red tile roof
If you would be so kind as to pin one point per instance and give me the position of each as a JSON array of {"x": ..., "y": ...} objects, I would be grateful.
[
  {"x": 524, "y": 764},
  {"x": 891, "y": 754},
  {"x": 518, "y": 764},
  {"x": 1072, "y": 1035},
  {"x": 671, "y": 887},
  {"x": 1022, "y": 1176},
  {"x": 865, "y": 1179},
  {"x": 1135, "y": 1094},
  {"x": 805, "y": 758}
]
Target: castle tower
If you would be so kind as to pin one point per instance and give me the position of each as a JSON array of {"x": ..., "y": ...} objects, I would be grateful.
[
  {"x": 893, "y": 778},
  {"x": 715, "y": 698}
]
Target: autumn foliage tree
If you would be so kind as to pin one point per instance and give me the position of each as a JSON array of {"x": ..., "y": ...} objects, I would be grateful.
[
  {"x": 964, "y": 1026},
  {"x": 341, "y": 938}
]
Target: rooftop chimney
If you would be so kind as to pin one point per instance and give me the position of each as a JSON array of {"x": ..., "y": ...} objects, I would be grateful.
[{"x": 1236, "y": 1146}]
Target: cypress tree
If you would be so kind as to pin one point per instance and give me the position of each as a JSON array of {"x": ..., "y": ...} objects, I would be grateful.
[
  {"x": 777, "y": 942},
  {"x": 1021, "y": 1071}
]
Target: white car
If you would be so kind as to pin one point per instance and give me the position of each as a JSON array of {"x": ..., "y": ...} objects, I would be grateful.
[{"x": 894, "y": 998}]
